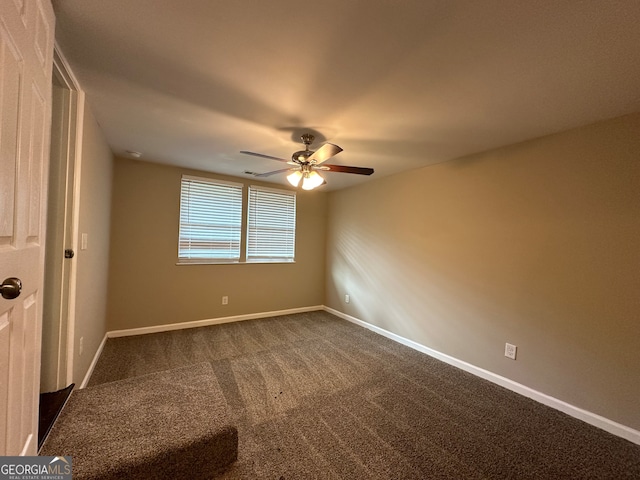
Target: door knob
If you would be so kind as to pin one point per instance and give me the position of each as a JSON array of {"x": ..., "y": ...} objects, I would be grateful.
[
  {"x": 11, "y": 288},
  {"x": 68, "y": 253}
]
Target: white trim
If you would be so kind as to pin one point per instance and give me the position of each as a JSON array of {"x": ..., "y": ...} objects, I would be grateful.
[
  {"x": 207, "y": 322},
  {"x": 75, "y": 229},
  {"x": 253, "y": 262},
  {"x": 63, "y": 65},
  {"x": 27, "y": 446},
  {"x": 94, "y": 362},
  {"x": 74, "y": 153},
  {"x": 594, "y": 419}
]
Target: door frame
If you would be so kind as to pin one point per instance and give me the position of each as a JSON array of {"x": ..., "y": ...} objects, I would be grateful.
[{"x": 64, "y": 307}]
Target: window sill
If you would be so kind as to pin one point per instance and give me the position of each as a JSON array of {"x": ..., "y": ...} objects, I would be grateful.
[{"x": 209, "y": 262}]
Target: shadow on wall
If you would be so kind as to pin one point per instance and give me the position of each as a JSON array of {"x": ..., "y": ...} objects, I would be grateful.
[{"x": 386, "y": 294}]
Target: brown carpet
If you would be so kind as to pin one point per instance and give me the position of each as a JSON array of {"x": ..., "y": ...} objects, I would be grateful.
[
  {"x": 171, "y": 425},
  {"x": 316, "y": 397}
]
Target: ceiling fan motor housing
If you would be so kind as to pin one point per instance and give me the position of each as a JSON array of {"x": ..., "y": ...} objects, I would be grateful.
[{"x": 301, "y": 156}]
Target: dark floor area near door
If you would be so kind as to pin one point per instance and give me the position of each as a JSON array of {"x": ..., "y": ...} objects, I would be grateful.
[{"x": 51, "y": 404}]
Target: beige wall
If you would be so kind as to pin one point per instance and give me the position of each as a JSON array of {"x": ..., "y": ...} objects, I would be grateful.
[
  {"x": 536, "y": 244},
  {"x": 147, "y": 288},
  {"x": 93, "y": 263}
]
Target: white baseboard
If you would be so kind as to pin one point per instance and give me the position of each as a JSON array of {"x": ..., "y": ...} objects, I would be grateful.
[
  {"x": 211, "y": 321},
  {"x": 579, "y": 413},
  {"x": 87, "y": 376}
]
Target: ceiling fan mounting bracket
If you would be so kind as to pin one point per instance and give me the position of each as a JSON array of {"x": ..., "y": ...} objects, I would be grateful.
[{"x": 307, "y": 138}]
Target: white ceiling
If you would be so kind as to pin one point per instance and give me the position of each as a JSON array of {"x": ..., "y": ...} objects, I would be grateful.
[{"x": 398, "y": 84}]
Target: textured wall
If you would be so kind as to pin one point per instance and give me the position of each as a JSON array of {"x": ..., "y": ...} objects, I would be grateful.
[
  {"x": 147, "y": 288},
  {"x": 535, "y": 244}
]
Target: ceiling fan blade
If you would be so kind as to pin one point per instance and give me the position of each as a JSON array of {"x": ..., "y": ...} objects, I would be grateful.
[
  {"x": 264, "y": 156},
  {"x": 345, "y": 169},
  {"x": 324, "y": 153},
  {"x": 268, "y": 174}
]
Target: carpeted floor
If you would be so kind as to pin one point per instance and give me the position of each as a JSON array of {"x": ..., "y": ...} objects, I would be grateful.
[
  {"x": 315, "y": 397},
  {"x": 165, "y": 425}
]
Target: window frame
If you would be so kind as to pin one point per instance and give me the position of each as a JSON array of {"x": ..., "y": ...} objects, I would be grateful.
[
  {"x": 243, "y": 257},
  {"x": 238, "y": 192},
  {"x": 283, "y": 225}
]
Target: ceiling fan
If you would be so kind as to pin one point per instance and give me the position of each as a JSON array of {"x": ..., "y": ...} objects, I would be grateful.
[{"x": 306, "y": 164}]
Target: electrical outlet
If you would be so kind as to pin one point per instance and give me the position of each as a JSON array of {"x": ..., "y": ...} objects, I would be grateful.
[
  {"x": 81, "y": 346},
  {"x": 225, "y": 300},
  {"x": 510, "y": 351},
  {"x": 347, "y": 298}
]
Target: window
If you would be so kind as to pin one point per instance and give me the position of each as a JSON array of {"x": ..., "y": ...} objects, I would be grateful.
[
  {"x": 210, "y": 220},
  {"x": 271, "y": 225},
  {"x": 211, "y": 227}
]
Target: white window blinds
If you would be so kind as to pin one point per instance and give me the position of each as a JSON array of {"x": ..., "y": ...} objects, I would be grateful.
[
  {"x": 271, "y": 235},
  {"x": 210, "y": 220}
]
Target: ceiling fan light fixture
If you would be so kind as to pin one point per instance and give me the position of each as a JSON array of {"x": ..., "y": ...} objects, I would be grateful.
[
  {"x": 306, "y": 161},
  {"x": 294, "y": 178},
  {"x": 311, "y": 180}
]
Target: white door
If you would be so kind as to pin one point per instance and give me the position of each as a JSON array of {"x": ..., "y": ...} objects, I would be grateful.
[{"x": 26, "y": 49}]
